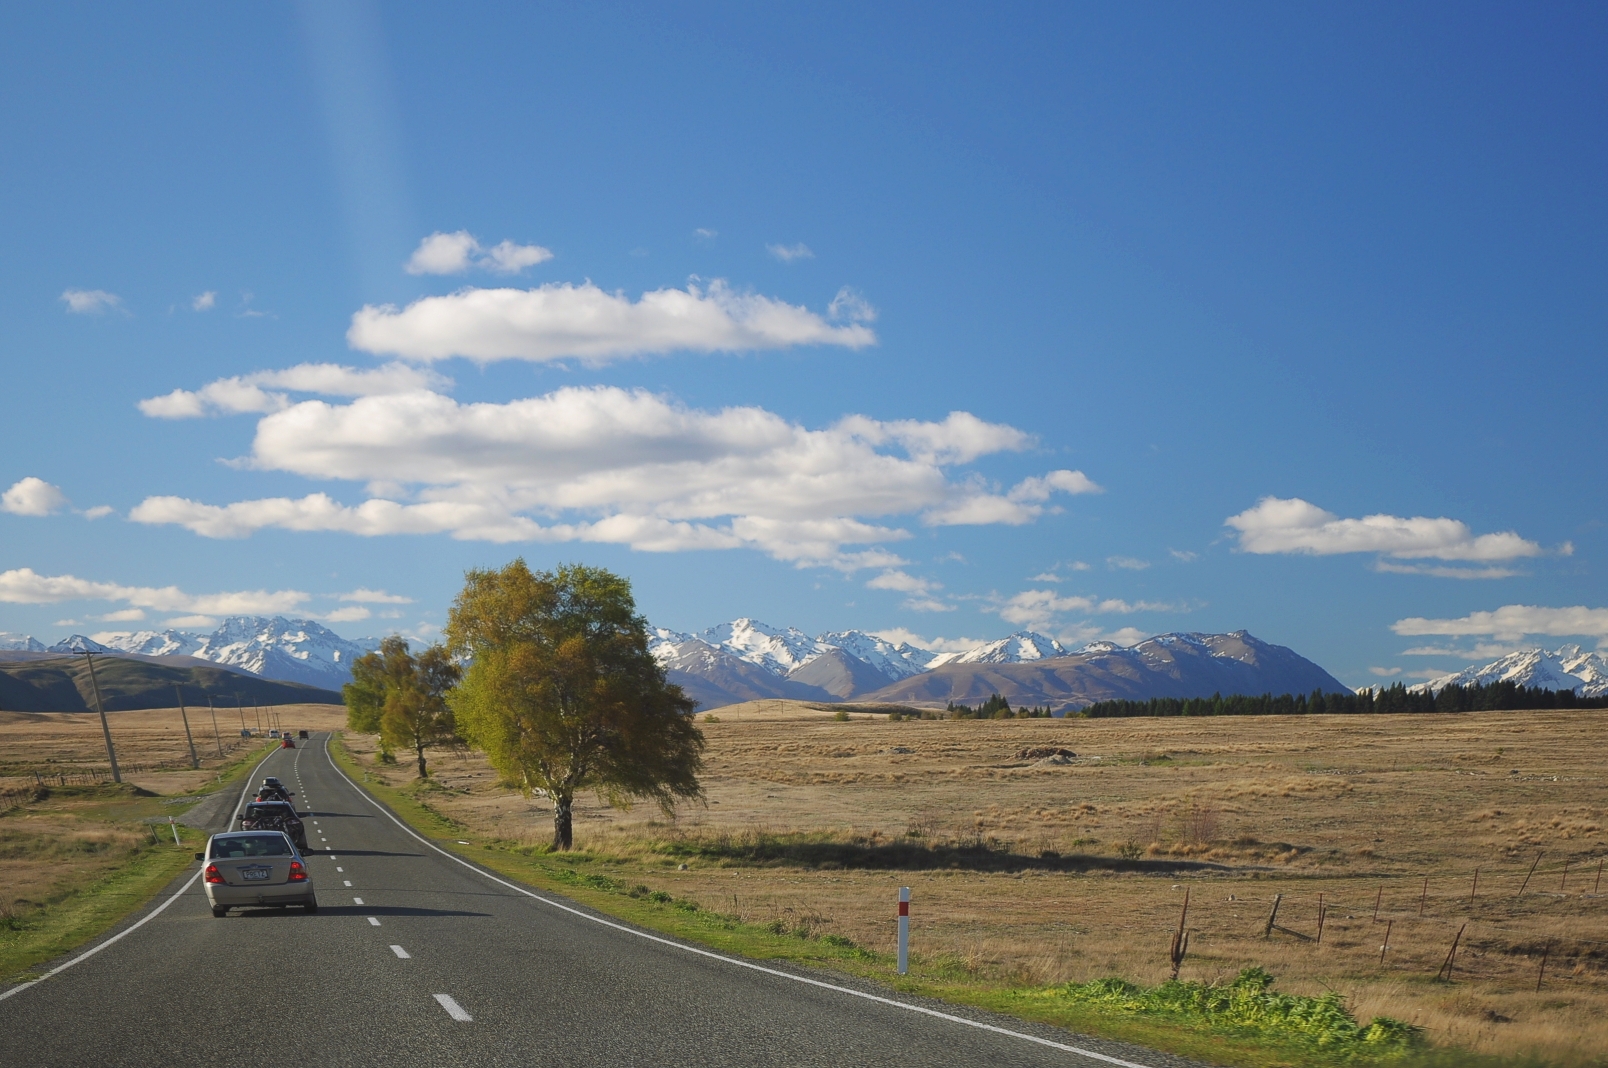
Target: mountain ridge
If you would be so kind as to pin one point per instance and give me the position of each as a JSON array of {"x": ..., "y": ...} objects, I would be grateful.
[{"x": 1569, "y": 667}]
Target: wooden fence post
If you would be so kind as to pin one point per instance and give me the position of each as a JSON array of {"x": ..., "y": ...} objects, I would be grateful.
[
  {"x": 1267, "y": 932},
  {"x": 1446, "y": 969},
  {"x": 1526, "y": 882}
]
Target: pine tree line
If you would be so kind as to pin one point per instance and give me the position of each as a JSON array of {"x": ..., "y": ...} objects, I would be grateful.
[{"x": 1480, "y": 697}]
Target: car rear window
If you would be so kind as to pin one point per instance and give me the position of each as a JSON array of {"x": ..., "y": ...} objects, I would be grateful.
[{"x": 251, "y": 845}]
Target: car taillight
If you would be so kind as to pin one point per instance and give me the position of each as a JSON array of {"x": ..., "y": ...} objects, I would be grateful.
[
  {"x": 298, "y": 874},
  {"x": 212, "y": 875}
]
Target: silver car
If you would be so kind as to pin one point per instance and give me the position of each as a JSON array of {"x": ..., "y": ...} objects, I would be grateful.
[{"x": 255, "y": 868}]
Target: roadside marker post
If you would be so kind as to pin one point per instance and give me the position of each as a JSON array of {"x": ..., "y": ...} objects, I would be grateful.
[
  {"x": 904, "y": 929},
  {"x": 174, "y": 827}
]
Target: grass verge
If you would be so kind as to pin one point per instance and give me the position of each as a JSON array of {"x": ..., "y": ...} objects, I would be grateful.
[
  {"x": 76, "y": 915},
  {"x": 1267, "y": 1031}
]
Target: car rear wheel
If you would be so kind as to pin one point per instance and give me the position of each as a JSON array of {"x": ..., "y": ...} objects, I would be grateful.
[{"x": 219, "y": 911}]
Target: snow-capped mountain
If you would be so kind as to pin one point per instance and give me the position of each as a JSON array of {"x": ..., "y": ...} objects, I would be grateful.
[
  {"x": 778, "y": 651},
  {"x": 293, "y": 650},
  {"x": 1018, "y": 648},
  {"x": 160, "y": 643},
  {"x": 1566, "y": 668},
  {"x": 23, "y": 643},
  {"x": 78, "y": 644},
  {"x": 747, "y": 660},
  {"x": 1168, "y": 665},
  {"x": 895, "y": 661}
]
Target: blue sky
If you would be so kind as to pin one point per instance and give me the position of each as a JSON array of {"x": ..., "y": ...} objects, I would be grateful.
[{"x": 1253, "y": 317}]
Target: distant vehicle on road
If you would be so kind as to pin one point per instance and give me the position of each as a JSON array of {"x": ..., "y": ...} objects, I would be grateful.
[
  {"x": 245, "y": 868},
  {"x": 274, "y": 816},
  {"x": 302, "y": 735},
  {"x": 274, "y": 733},
  {"x": 273, "y": 790},
  {"x": 286, "y": 743}
]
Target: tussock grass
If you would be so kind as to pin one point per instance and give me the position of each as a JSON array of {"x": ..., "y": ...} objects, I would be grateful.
[{"x": 1020, "y": 873}]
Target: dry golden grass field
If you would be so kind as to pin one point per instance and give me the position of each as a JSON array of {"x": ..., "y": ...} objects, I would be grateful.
[
  {"x": 1032, "y": 871},
  {"x": 1038, "y": 872},
  {"x": 71, "y": 836}
]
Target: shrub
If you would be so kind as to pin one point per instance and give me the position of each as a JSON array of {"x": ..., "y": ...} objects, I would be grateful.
[
  {"x": 841, "y": 716},
  {"x": 1249, "y": 1006}
]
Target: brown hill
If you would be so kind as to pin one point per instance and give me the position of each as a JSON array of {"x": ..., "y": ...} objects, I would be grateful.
[{"x": 1171, "y": 665}]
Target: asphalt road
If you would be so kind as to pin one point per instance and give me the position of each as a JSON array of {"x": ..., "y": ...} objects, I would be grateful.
[{"x": 416, "y": 958}]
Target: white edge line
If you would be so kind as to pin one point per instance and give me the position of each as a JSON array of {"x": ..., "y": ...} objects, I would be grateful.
[
  {"x": 147, "y": 918},
  {"x": 721, "y": 956}
]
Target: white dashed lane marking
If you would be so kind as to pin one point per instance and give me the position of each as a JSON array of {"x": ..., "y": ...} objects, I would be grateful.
[
  {"x": 357, "y": 901},
  {"x": 374, "y": 920},
  {"x": 401, "y": 953},
  {"x": 340, "y": 869},
  {"x": 348, "y": 882},
  {"x": 454, "y": 1009}
]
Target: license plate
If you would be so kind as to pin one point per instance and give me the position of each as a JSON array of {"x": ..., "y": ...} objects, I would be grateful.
[{"x": 255, "y": 873}]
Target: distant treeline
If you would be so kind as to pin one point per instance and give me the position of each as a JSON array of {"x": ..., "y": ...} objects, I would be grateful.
[
  {"x": 1491, "y": 697},
  {"x": 996, "y": 707}
]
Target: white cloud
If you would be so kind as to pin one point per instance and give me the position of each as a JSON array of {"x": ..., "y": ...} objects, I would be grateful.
[
  {"x": 90, "y": 301},
  {"x": 1478, "y": 651},
  {"x": 258, "y": 392},
  {"x": 789, "y": 253},
  {"x": 1039, "y": 609},
  {"x": 1126, "y": 563},
  {"x": 1183, "y": 556},
  {"x": 33, "y": 496},
  {"x": 1075, "y": 636},
  {"x": 850, "y": 306},
  {"x": 1046, "y": 577},
  {"x": 25, "y": 586},
  {"x": 901, "y": 636},
  {"x": 1277, "y": 525},
  {"x": 921, "y": 590},
  {"x": 456, "y": 252},
  {"x": 604, "y": 464},
  {"x": 706, "y": 233},
  {"x": 199, "y": 622},
  {"x": 363, "y": 595},
  {"x": 123, "y": 615},
  {"x": 1022, "y": 504},
  {"x": 204, "y": 301},
  {"x": 346, "y": 615},
  {"x": 561, "y": 320},
  {"x": 1384, "y": 672},
  {"x": 100, "y": 511},
  {"x": 1443, "y": 571},
  {"x": 1513, "y": 622}
]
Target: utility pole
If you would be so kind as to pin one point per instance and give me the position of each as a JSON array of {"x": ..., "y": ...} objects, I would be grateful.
[
  {"x": 216, "y": 736},
  {"x": 194, "y": 761},
  {"x": 111, "y": 753},
  {"x": 242, "y": 709}
]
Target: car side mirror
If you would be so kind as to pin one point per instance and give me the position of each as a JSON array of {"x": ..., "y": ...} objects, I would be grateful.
[{"x": 200, "y": 856}]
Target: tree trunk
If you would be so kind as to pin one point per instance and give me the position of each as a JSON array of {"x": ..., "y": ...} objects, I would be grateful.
[
  {"x": 423, "y": 774},
  {"x": 563, "y": 827}
]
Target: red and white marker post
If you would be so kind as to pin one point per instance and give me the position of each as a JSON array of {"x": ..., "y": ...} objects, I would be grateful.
[{"x": 904, "y": 929}]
